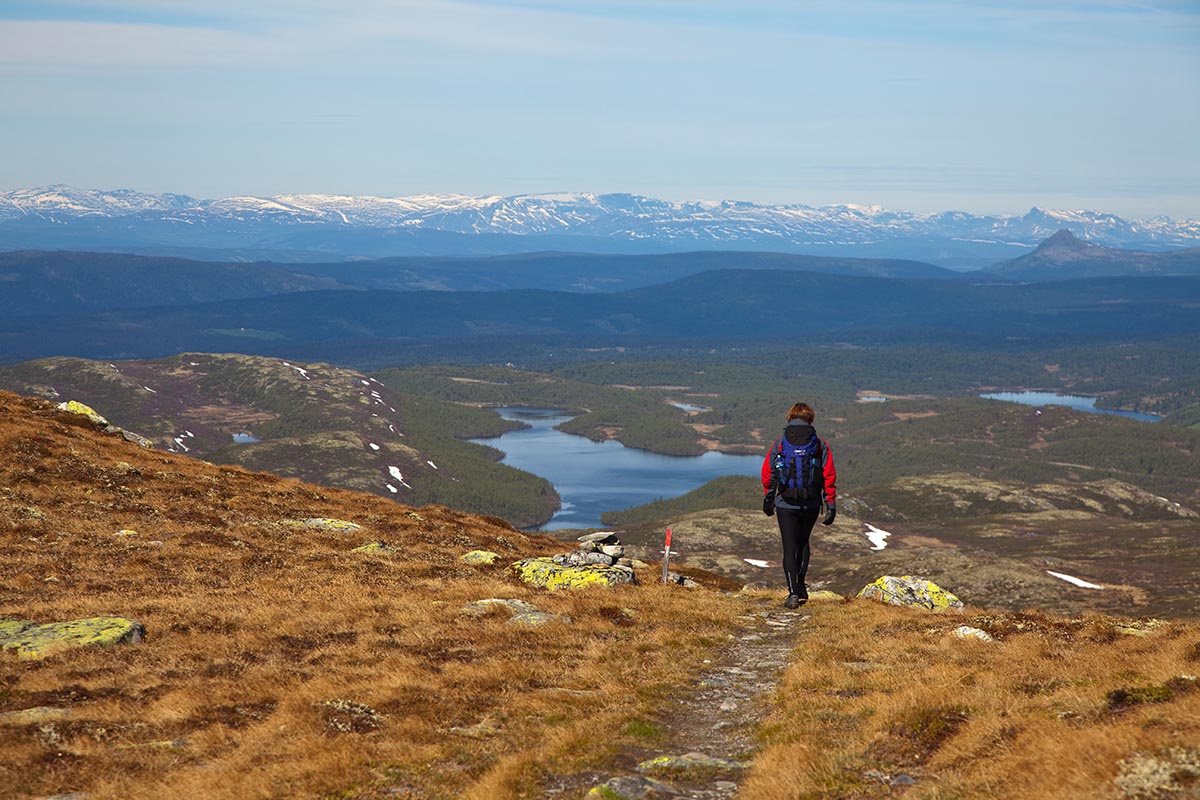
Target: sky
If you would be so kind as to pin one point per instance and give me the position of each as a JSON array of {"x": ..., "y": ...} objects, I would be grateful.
[{"x": 981, "y": 106}]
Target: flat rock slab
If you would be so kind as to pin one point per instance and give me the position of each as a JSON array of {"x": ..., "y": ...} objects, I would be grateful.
[
  {"x": 689, "y": 762},
  {"x": 321, "y": 524},
  {"x": 35, "y": 716},
  {"x": 30, "y": 640},
  {"x": 479, "y": 557},
  {"x": 480, "y": 608},
  {"x": 632, "y": 787},
  {"x": 600, "y": 537},
  {"x": 544, "y": 573},
  {"x": 536, "y": 619},
  {"x": 907, "y": 590}
]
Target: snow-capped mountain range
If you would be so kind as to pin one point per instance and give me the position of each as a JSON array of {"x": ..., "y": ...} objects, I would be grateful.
[{"x": 618, "y": 218}]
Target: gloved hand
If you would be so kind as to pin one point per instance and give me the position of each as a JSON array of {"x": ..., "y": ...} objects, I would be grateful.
[
  {"x": 769, "y": 504},
  {"x": 830, "y": 513}
]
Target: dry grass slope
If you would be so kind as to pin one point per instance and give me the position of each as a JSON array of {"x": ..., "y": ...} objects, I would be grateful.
[{"x": 279, "y": 663}]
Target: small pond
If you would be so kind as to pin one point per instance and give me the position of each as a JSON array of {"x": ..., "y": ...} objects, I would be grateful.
[
  {"x": 594, "y": 477},
  {"x": 245, "y": 438},
  {"x": 1075, "y": 401}
]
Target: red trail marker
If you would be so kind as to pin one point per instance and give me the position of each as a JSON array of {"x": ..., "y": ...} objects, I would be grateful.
[{"x": 667, "y": 556}]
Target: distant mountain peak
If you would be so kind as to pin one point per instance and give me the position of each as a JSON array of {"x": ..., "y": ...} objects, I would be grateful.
[{"x": 1063, "y": 238}]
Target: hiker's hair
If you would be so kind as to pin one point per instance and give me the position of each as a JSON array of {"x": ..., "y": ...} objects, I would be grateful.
[{"x": 802, "y": 411}]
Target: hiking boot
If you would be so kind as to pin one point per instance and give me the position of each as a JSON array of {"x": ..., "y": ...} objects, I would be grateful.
[{"x": 792, "y": 601}]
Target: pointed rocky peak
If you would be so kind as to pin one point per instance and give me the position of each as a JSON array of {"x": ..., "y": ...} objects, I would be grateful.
[{"x": 1063, "y": 239}]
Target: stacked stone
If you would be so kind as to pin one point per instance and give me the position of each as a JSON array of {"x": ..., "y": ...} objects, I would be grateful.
[{"x": 603, "y": 548}]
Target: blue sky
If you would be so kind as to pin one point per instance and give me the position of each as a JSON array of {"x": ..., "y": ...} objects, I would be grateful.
[{"x": 915, "y": 105}]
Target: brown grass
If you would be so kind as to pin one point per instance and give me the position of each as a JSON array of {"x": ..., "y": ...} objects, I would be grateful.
[
  {"x": 280, "y": 664},
  {"x": 1048, "y": 711}
]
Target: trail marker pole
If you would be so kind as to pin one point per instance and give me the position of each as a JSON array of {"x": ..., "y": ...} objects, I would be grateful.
[{"x": 667, "y": 556}]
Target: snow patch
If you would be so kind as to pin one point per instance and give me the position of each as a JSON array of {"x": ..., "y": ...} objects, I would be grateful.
[
  {"x": 756, "y": 562},
  {"x": 372, "y": 445},
  {"x": 878, "y": 536},
  {"x": 148, "y": 389},
  {"x": 395, "y": 473},
  {"x": 430, "y": 463},
  {"x": 179, "y": 441},
  {"x": 1080, "y": 582},
  {"x": 391, "y": 488}
]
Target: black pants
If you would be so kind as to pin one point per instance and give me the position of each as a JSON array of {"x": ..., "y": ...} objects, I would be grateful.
[{"x": 795, "y": 526}]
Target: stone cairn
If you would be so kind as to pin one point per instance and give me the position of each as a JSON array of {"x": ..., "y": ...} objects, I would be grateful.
[{"x": 603, "y": 548}]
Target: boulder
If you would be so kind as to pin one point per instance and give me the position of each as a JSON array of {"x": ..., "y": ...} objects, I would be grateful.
[
  {"x": 29, "y": 640},
  {"x": 76, "y": 407},
  {"x": 545, "y": 573},
  {"x": 632, "y": 787},
  {"x": 911, "y": 591},
  {"x": 967, "y": 632},
  {"x": 130, "y": 436},
  {"x": 479, "y": 557},
  {"x": 599, "y": 558},
  {"x": 479, "y": 608},
  {"x": 614, "y": 550}
]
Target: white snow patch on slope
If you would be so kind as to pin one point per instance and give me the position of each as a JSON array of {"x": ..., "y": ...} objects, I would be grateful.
[
  {"x": 756, "y": 562},
  {"x": 391, "y": 488},
  {"x": 878, "y": 536},
  {"x": 430, "y": 463},
  {"x": 372, "y": 445},
  {"x": 395, "y": 473},
  {"x": 148, "y": 389},
  {"x": 1077, "y": 581}
]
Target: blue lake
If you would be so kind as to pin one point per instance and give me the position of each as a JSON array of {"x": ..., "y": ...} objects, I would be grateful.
[
  {"x": 1075, "y": 401},
  {"x": 594, "y": 477},
  {"x": 245, "y": 438}
]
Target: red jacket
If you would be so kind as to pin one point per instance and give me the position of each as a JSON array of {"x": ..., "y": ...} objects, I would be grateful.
[{"x": 768, "y": 470}]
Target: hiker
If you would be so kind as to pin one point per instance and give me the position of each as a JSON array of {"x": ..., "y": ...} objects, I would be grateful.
[{"x": 798, "y": 478}]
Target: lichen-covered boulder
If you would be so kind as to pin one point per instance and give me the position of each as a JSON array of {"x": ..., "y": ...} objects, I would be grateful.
[
  {"x": 479, "y": 557},
  {"x": 321, "y": 524},
  {"x": 76, "y": 407},
  {"x": 910, "y": 591},
  {"x": 29, "y": 640},
  {"x": 376, "y": 548},
  {"x": 544, "y": 573}
]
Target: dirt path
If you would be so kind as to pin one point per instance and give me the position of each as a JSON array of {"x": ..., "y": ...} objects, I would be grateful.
[{"x": 707, "y": 739}]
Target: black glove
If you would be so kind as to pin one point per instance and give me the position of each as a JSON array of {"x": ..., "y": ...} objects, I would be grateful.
[
  {"x": 830, "y": 513},
  {"x": 769, "y": 504}
]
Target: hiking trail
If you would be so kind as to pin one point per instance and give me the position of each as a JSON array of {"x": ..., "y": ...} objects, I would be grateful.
[{"x": 708, "y": 730}]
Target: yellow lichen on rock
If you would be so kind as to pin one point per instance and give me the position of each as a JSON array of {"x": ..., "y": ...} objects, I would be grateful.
[
  {"x": 823, "y": 596},
  {"x": 479, "y": 557},
  {"x": 34, "y": 641},
  {"x": 76, "y": 407},
  {"x": 544, "y": 573},
  {"x": 377, "y": 548},
  {"x": 911, "y": 591}
]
